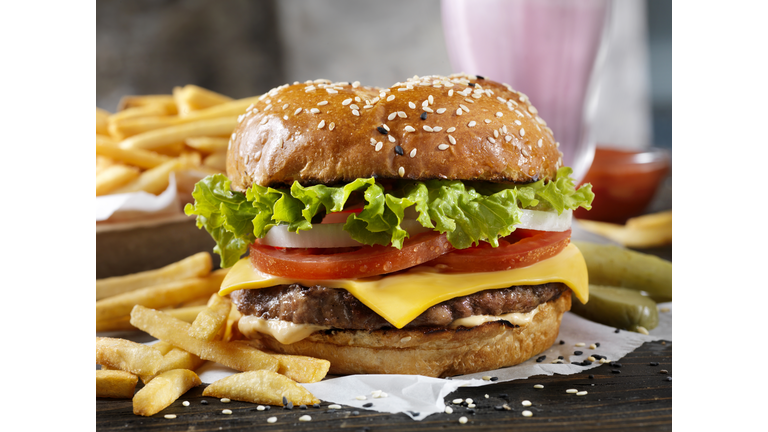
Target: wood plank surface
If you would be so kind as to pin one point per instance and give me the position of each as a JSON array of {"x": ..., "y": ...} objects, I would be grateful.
[{"x": 638, "y": 397}]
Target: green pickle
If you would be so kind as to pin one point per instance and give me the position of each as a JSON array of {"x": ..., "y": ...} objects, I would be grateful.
[{"x": 622, "y": 308}]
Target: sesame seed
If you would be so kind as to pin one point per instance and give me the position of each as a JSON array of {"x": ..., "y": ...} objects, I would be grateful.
[
  {"x": 491, "y": 140},
  {"x": 532, "y": 109},
  {"x": 642, "y": 330},
  {"x": 571, "y": 391},
  {"x": 379, "y": 145},
  {"x": 463, "y": 420},
  {"x": 440, "y": 110},
  {"x": 410, "y": 129},
  {"x": 519, "y": 113},
  {"x": 423, "y": 116},
  {"x": 404, "y": 88},
  {"x": 360, "y": 397},
  {"x": 391, "y": 138},
  {"x": 580, "y": 344},
  {"x": 346, "y": 102},
  {"x": 442, "y": 146},
  {"x": 390, "y": 98},
  {"x": 385, "y": 127},
  {"x": 373, "y": 141},
  {"x": 486, "y": 121},
  {"x": 469, "y": 100},
  {"x": 170, "y": 416},
  {"x": 305, "y": 418},
  {"x": 334, "y": 406},
  {"x": 356, "y": 84},
  {"x": 272, "y": 420},
  {"x": 457, "y": 401},
  {"x": 458, "y": 111},
  {"x": 577, "y": 353},
  {"x": 538, "y": 386},
  {"x": 425, "y": 103},
  {"x": 527, "y": 413},
  {"x": 412, "y": 105},
  {"x": 526, "y": 403},
  {"x": 325, "y": 102},
  {"x": 392, "y": 116},
  {"x": 464, "y": 107},
  {"x": 331, "y": 126},
  {"x": 381, "y": 130},
  {"x": 411, "y": 154},
  {"x": 499, "y": 114},
  {"x": 486, "y": 378},
  {"x": 450, "y": 92},
  {"x": 298, "y": 110},
  {"x": 451, "y": 129},
  {"x": 427, "y": 128},
  {"x": 522, "y": 132},
  {"x": 402, "y": 114},
  {"x": 225, "y": 400},
  {"x": 593, "y": 346},
  {"x": 437, "y": 128},
  {"x": 321, "y": 124},
  {"x": 508, "y": 138},
  {"x": 285, "y": 117},
  {"x": 226, "y": 411},
  {"x": 331, "y": 91},
  {"x": 452, "y": 139},
  {"x": 495, "y": 134},
  {"x": 354, "y": 107},
  {"x": 398, "y": 150},
  {"x": 428, "y": 109},
  {"x": 260, "y": 408},
  {"x": 540, "y": 142},
  {"x": 448, "y": 410},
  {"x": 401, "y": 171},
  {"x": 185, "y": 403},
  {"x": 356, "y": 112},
  {"x": 472, "y": 123}
]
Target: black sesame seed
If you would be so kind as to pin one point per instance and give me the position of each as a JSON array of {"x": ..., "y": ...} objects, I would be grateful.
[
  {"x": 381, "y": 130},
  {"x": 498, "y": 408},
  {"x": 355, "y": 412},
  {"x": 654, "y": 363},
  {"x": 597, "y": 344},
  {"x": 560, "y": 357},
  {"x": 480, "y": 77},
  {"x": 471, "y": 411},
  {"x": 669, "y": 378},
  {"x": 503, "y": 395},
  {"x": 399, "y": 150},
  {"x": 598, "y": 356},
  {"x": 316, "y": 406},
  {"x": 617, "y": 330},
  {"x": 614, "y": 364},
  {"x": 663, "y": 371},
  {"x": 331, "y": 411},
  {"x": 368, "y": 405},
  {"x": 289, "y": 406},
  {"x": 562, "y": 342},
  {"x": 424, "y": 115},
  {"x": 302, "y": 407},
  {"x": 471, "y": 84},
  {"x": 414, "y": 413},
  {"x": 494, "y": 378},
  {"x": 591, "y": 377},
  {"x": 285, "y": 401},
  {"x": 204, "y": 402},
  {"x": 541, "y": 359},
  {"x": 577, "y": 353},
  {"x": 616, "y": 371},
  {"x": 267, "y": 407}
]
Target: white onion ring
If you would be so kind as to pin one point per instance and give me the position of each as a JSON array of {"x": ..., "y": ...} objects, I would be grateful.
[{"x": 332, "y": 235}]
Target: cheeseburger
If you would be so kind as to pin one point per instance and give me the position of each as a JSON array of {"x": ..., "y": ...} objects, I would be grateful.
[{"x": 418, "y": 229}]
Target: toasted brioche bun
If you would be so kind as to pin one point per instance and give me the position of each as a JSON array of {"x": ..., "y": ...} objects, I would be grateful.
[
  {"x": 435, "y": 352},
  {"x": 324, "y": 133}
]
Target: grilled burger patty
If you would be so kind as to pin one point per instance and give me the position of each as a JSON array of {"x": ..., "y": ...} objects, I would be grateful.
[{"x": 338, "y": 308}]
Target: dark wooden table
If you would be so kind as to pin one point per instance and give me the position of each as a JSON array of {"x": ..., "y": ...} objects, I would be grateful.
[{"x": 637, "y": 397}]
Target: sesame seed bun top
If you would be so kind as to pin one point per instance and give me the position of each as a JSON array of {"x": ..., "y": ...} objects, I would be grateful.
[{"x": 459, "y": 128}]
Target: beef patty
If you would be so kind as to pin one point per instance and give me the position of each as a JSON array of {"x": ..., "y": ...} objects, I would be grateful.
[{"x": 338, "y": 308}]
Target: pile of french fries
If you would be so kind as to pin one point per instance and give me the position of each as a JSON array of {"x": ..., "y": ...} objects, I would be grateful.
[
  {"x": 180, "y": 306},
  {"x": 151, "y": 136},
  {"x": 644, "y": 231}
]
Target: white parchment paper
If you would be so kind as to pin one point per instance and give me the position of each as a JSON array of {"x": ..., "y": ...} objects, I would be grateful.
[{"x": 108, "y": 206}]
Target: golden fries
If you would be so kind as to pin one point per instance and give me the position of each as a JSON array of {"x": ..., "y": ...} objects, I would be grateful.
[
  {"x": 191, "y": 98},
  {"x": 141, "y": 158},
  {"x": 129, "y": 356},
  {"x": 159, "y": 296},
  {"x": 639, "y": 232},
  {"x": 115, "y": 384},
  {"x": 208, "y": 144},
  {"x": 175, "y": 359},
  {"x": 217, "y": 161},
  {"x": 262, "y": 387},
  {"x": 301, "y": 368},
  {"x": 114, "y": 177},
  {"x": 197, "y": 265},
  {"x": 176, "y": 332},
  {"x": 176, "y": 133},
  {"x": 163, "y": 390},
  {"x": 185, "y": 313},
  {"x": 209, "y": 323},
  {"x": 102, "y": 121},
  {"x": 136, "y": 101}
]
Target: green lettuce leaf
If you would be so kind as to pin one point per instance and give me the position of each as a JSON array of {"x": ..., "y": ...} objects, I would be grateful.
[{"x": 468, "y": 212}]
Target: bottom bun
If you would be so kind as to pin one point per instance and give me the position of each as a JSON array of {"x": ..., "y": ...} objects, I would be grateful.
[{"x": 431, "y": 351}]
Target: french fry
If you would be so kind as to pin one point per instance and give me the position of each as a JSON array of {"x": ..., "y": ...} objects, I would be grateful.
[
  {"x": 115, "y": 384},
  {"x": 163, "y": 347},
  {"x": 186, "y": 314},
  {"x": 176, "y": 133},
  {"x": 639, "y": 232},
  {"x": 195, "y": 98},
  {"x": 159, "y": 296},
  {"x": 102, "y": 162},
  {"x": 261, "y": 387},
  {"x": 302, "y": 369},
  {"x": 102, "y": 121},
  {"x": 127, "y": 355},
  {"x": 231, "y": 329},
  {"x": 208, "y": 144},
  {"x": 138, "y": 157},
  {"x": 197, "y": 265},
  {"x": 154, "y": 180},
  {"x": 216, "y": 161},
  {"x": 176, "y": 332},
  {"x": 136, "y": 126},
  {"x": 212, "y": 319},
  {"x": 127, "y": 102},
  {"x": 175, "y": 359},
  {"x": 114, "y": 177},
  {"x": 165, "y": 388}
]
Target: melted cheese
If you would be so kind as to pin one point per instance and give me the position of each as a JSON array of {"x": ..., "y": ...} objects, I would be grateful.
[{"x": 401, "y": 297}]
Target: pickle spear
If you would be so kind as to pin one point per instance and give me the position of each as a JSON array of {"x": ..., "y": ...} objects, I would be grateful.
[
  {"x": 619, "y": 267},
  {"x": 618, "y": 307}
]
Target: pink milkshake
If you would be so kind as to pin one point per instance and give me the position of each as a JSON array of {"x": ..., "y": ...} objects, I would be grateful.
[{"x": 546, "y": 49}]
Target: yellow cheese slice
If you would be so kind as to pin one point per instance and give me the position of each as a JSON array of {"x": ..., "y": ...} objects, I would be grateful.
[{"x": 401, "y": 297}]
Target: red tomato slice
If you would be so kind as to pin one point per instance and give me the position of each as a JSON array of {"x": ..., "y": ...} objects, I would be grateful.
[
  {"x": 520, "y": 249},
  {"x": 348, "y": 262}
]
